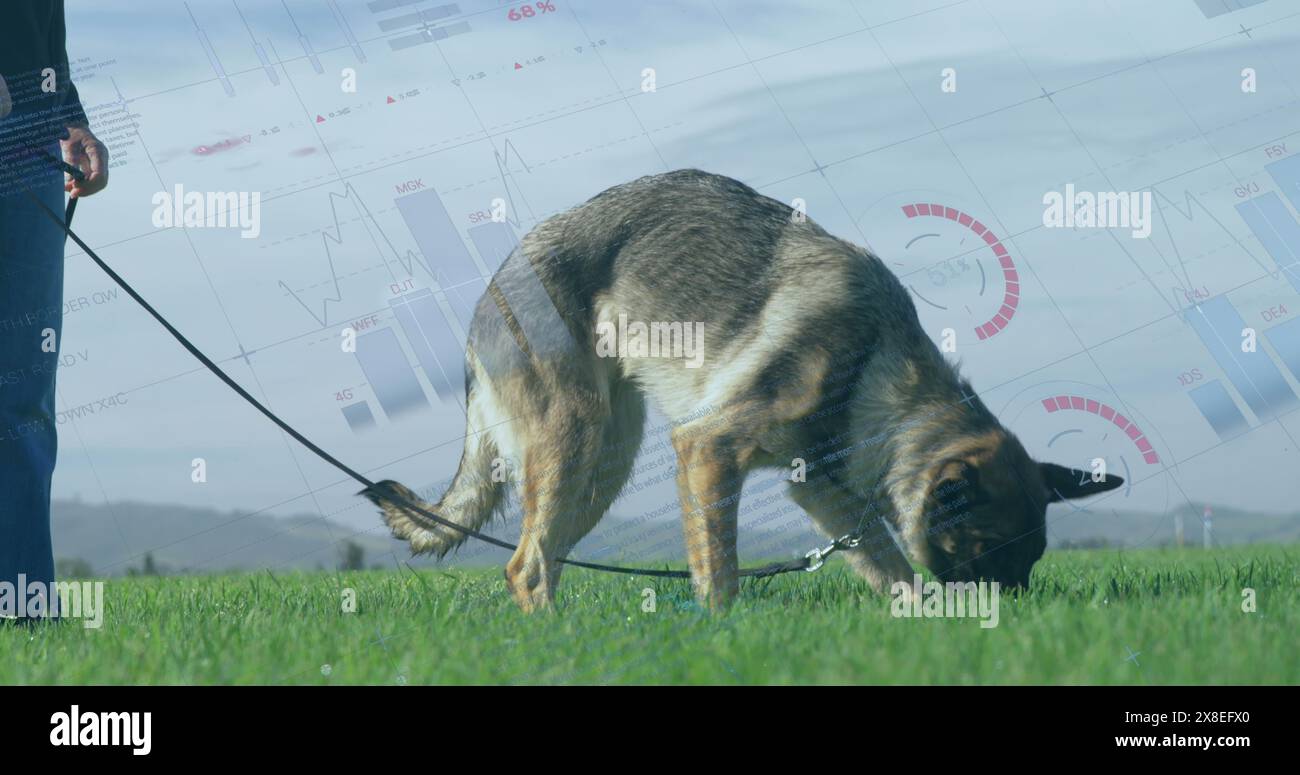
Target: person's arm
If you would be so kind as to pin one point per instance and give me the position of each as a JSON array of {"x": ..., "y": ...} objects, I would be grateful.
[
  {"x": 81, "y": 149},
  {"x": 70, "y": 110},
  {"x": 6, "y": 102}
]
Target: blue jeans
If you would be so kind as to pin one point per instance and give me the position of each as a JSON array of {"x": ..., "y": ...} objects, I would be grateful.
[{"x": 31, "y": 317}]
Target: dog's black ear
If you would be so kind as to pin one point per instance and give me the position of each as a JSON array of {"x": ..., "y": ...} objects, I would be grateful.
[{"x": 1069, "y": 483}]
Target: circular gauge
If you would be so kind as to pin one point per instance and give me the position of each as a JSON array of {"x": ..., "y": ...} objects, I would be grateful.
[
  {"x": 959, "y": 271},
  {"x": 1079, "y": 424}
]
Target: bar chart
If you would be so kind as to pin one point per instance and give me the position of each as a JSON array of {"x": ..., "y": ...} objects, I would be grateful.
[
  {"x": 438, "y": 345},
  {"x": 444, "y": 251},
  {"x": 493, "y": 241},
  {"x": 435, "y": 321},
  {"x": 1286, "y": 174},
  {"x": 1213, "y": 8},
  {"x": 1275, "y": 228},
  {"x": 382, "y": 360},
  {"x": 535, "y": 317},
  {"x": 1285, "y": 338},
  {"x": 418, "y": 18},
  {"x": 1253, "y": 374},
  {"x": 1272, "y": 223},
  {"x": 440, "y": 352},
  {"x": 359, "y": 417},
  {"x": 1216, "y": 404}
]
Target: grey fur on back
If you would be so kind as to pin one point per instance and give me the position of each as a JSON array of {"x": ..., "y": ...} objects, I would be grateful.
[{"x": 694, "y": 246}]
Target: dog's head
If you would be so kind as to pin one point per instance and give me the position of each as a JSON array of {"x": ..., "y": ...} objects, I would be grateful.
[{"x": 986, "y": 507}]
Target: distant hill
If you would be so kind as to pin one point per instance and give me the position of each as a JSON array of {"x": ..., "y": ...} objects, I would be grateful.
[
  {"x": 1230, "y": 526},
  {"x": 114, "y": 539}
]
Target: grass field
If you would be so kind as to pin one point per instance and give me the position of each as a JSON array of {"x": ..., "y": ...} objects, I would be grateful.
[{"x": 1132, "y": 617}]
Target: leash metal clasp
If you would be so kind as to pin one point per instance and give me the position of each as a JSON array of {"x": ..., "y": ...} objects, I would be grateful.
[
  {"x": 818, "y": 556},
  {"x": 850, "y": 541}
]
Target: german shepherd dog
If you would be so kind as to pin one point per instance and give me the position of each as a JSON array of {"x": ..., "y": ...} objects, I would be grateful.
[{"x": 812, "y": 350}]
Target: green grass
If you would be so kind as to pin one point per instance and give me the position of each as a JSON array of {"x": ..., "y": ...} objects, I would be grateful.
[{"x": 1180, "y": 611}]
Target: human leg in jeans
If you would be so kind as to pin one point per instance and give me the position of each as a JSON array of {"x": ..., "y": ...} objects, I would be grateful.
[{"x": 31, "y": 314}]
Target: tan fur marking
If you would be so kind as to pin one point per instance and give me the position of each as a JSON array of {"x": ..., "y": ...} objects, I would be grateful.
[
  {"x": 801, "y": 398},
  {"x": 708, "y": 485}
]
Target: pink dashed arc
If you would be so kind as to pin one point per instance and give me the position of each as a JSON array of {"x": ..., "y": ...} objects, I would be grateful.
[
  {"x": 1011, "y": 295},
  {"x": 1081, "y": 404}
]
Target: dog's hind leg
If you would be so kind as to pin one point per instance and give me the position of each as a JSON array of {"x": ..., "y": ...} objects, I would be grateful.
[
  {"x": 836, "y": 511},
  {"x": 710, "y": 473},
  {"x": 574, "y": 469}
]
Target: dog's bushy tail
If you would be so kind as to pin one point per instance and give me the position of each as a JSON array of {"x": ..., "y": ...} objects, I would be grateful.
[{"x": 470, "y": 501}]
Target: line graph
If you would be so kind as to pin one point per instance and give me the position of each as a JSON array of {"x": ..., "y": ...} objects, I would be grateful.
[
  {"x": 501, "y": 159},
  {"x": 442, "y": 256},
  {"x": 332, "y": 236}
]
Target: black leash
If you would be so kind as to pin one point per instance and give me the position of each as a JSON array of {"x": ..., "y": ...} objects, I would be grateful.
[{"x": 809, "y": 562}]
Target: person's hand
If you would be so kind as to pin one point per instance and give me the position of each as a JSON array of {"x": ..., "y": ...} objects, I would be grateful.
[{"x": 85, "y": 152}]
